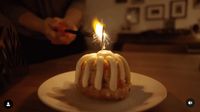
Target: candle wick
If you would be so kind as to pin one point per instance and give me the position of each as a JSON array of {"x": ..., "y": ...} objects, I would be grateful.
[{"x": 103, "y": 40}]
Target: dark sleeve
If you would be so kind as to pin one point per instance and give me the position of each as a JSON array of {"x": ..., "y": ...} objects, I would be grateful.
[
  {"x": 3, "y": 21},
  {"x": 80, "y": 4},
  {"x": 12, "y": 9}
]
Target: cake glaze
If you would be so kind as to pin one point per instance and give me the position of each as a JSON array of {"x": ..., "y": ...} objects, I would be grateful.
[{"x": 119, "y": 69}]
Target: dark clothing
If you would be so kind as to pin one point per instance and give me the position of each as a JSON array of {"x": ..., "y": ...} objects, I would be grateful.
[
  {"x": 36, "y": 47},
  {"x": 40, "y": 50},
  {"x": 13, "y": 9}
]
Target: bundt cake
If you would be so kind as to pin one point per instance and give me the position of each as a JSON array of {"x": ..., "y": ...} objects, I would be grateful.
[{"x": 103, "y": 75}]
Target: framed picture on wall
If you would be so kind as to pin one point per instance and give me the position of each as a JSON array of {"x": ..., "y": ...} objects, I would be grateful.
[
  {"x": 132, "y": 15},
  {"x": 178, "y": 8},
  {"x": 120, "y": 1},
  {"x": 155, "y": 12},
  {"x": 196, "y": 3},
  {"x": 137, "y": 1}
]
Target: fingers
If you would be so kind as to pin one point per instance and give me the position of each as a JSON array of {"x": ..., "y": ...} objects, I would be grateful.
[
  {"x": 57, "y": 39},
  {"x": 71, "y": 26},
  {"x": 48, "y": 30},
  {"x": 56, "y": 22},
  {"x": 58, "y": 36},
  {"x": 67, "y": 39}
]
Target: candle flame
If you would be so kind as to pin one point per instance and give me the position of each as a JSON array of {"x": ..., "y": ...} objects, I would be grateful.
[
  {"x": 98, "y": 28},
  {"x": 100, "y": 33}
]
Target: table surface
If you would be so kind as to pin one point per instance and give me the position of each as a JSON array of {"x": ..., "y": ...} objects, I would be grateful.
[{"x": 180, "y": 73}]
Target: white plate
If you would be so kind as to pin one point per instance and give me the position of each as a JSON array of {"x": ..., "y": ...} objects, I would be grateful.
[{"x": 60, "y": 93}]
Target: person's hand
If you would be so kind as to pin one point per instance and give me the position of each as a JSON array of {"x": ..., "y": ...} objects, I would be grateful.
[{"x": 54, "y": 30}]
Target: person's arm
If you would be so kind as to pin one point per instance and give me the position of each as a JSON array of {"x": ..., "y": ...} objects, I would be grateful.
[
  {"x": 31, "y": 21},
  {"x": 75, "y": 12},
  {"x": 20, "y": 15}
]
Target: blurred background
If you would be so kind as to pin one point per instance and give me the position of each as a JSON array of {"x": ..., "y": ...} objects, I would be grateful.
[
  {"x": 146, "y": 22},
  {"x": 165, "y": 26},
  {"x": 149, "y": 22}
]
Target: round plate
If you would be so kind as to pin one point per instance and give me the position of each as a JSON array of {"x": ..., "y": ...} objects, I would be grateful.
[{"x": 59, "y": 92}]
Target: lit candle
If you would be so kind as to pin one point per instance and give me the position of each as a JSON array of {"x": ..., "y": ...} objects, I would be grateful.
[
  {"x": 99, "y": 33},
  {"x": 103, "y": 61}
]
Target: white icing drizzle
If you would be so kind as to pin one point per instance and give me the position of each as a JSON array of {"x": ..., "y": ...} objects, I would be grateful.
[
  {"x": 104, "y": 53},
  {"x": 86, "y": 72},
  {"x": 113, "y": 75},
  {"x": 126, "y": 64},
  {"x": 113, "y": 59},
  {"x": 127, "y": 69},
  {"x": 121, "y": 67},
  {"x": 78, "y": 67},
  {"x": 99, "y": 73},
  {"x": 79, "y": 64}
]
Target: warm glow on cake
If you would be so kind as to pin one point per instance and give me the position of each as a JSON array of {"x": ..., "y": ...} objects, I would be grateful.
[{"x": 103, "y": 71}]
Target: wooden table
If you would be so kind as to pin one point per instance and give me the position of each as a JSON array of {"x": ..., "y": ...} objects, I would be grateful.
[{"x": 180, "y": 73}]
